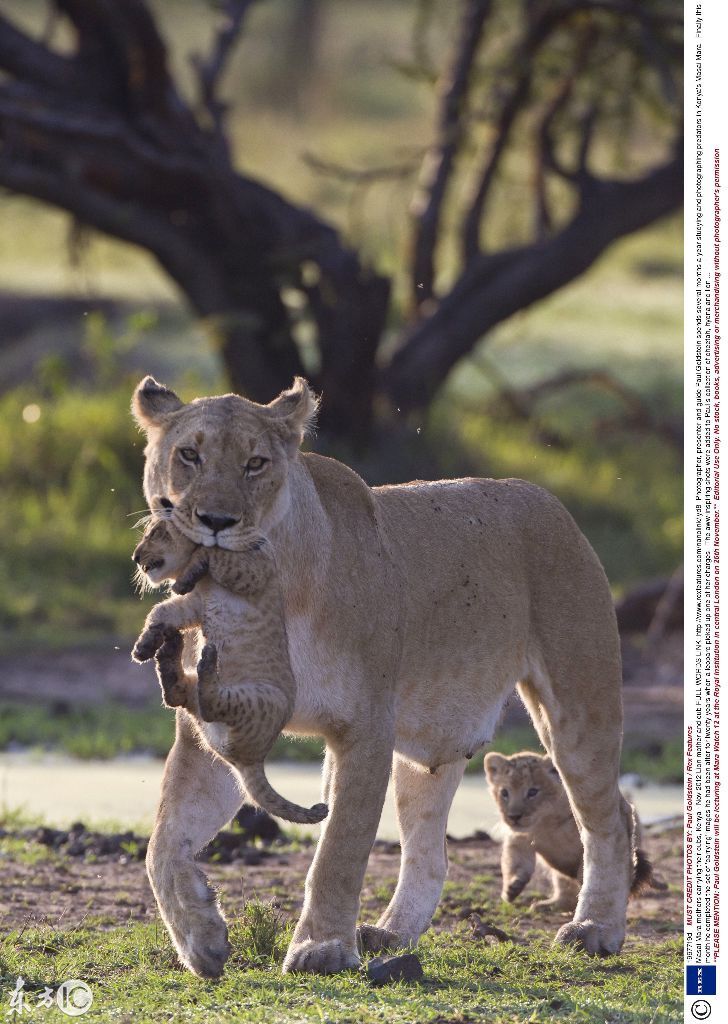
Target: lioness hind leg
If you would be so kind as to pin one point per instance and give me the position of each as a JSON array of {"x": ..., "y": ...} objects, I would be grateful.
[
  {"x": 423, "y": 803},
  {"x": 584, "y": 739}
]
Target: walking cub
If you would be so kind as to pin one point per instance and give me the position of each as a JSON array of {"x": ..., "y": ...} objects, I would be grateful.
[
  {"x": 244, "y": 678},
  {"x": 535, "y": 808}
]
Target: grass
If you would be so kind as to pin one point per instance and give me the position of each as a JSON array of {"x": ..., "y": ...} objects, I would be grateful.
[
  {"x": 111, "y": 729},
  {"x": 133, "y": 974}
]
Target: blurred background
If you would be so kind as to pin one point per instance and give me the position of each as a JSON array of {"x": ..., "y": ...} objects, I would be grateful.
[{"x": 461, "y": 221}]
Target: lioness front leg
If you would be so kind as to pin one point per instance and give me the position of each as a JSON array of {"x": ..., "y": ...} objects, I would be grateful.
[
  {"x": 355, "y": 782},
  {"x": 518, "y": 861},
  {"x": 423, "y": 803},
  {"x": 200, "y": 794}
]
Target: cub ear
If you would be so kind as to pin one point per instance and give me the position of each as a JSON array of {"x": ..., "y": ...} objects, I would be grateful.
[
  {"x": 550, "y": 767},
  {"x": 493, "y": 764},
  {"x": 295, "y": 411},
  {"x": 153, "y": 402}
]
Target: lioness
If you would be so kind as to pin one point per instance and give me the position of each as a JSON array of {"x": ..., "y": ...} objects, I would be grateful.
[
  {"x": 540, "y": 824},
  {"x": 251, "y": 692},
  {"x": 411, "y": 613}
]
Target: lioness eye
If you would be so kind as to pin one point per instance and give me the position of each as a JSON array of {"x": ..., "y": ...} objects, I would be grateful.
[
  {"x": 189, "y": 455},
  {"x": 532, "y": 793},
  {"x": 256, "y": 463},
  {"x": 504, "y": 794}
]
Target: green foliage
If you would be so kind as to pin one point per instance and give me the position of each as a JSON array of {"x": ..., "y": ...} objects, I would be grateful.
[
  {"x": 111, "y": 729},
  {"x": 71, "y": 485},
  {"x": 261, "y": 933},
  {"x": 87, "y": 730}
]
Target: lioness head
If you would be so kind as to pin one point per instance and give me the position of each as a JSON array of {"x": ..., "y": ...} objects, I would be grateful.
[
  {"x": 222, "y": 462},
  {"x": 525, "y": 786}
]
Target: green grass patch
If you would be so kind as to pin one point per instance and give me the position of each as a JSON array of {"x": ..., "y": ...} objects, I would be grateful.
[
  {"x": 134, "y": 974},
  {"x": 112, "y": 729}
]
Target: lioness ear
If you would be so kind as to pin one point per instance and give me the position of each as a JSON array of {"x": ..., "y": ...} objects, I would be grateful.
[
  {"x": 295, "y": 411},
  {"x": 493, "y": 763},
  {"x": 152, "y": 402}
]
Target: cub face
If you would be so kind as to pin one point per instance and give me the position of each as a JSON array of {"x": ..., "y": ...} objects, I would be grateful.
[
  {"x": 222, "y": 462},
  {"x": 525, "y": 787},
  {"x": 162, "y": 553}
]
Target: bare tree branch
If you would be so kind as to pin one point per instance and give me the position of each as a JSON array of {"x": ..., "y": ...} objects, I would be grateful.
[
  {"x": 210, "y": 69},
  {"x": 522, "y": 403},
  {"x": 440, "y": 161},
  {"x": 359, "y": 175},
  {"x": 21, "y": 56},
  {"x": 492, "y": 288}
]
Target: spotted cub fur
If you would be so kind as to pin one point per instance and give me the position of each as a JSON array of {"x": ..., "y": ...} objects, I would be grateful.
[{"x": 244, "y": 685}]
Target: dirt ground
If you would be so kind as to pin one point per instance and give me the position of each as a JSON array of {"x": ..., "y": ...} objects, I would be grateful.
[{"x": 64, "y": 892}]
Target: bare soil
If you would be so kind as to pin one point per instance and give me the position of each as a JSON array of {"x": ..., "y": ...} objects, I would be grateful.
[{"x": 108, "y": 891}]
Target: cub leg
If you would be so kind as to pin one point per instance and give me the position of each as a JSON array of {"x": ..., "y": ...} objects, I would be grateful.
[
  {"x": 518, "y": 861},
  {"x": 356, "y": 776},
  {"x": 179, "y": 688},
  {"x": 423, "y": 804},
  {"x": 564, "y": 895},
  {"x": 584, "y": 740},
  {"x": 200, "y": 794}
]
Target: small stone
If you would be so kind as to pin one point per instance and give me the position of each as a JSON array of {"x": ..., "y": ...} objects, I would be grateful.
[
  {"x": 385, "y": 969},
  {"x": 489, "y": 932}
]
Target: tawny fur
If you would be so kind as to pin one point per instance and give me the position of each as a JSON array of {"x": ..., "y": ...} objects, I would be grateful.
[
  {"x": 412, "y": 612},
  {"x": 535, "y": 809},
  {"x": 244, "y": 679}
]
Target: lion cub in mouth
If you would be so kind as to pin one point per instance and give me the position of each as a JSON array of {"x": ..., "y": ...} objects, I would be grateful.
[
  {"x": 535, "y": 808},
  {"x": 244, "y": 678}
]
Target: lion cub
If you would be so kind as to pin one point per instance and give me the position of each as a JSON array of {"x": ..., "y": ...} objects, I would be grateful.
[
  {"x": 535, "y": 808},
  {"x": 244, "y": 677}
]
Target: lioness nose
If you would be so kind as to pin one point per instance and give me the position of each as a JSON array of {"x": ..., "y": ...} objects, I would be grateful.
[{"x": 216, "y": 523}]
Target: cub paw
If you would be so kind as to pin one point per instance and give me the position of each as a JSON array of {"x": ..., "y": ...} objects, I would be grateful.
[
  {"x": 320, "y": 957},
  {"x": 370, "y": 939},
  {"x": 513, "y": 890},
  {"x": 150, "y": 640},
  {"x": 592, "y": 938},
  {"x": 558, "y": 906}
]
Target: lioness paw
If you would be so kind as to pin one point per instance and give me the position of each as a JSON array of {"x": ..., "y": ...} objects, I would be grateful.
[
  {"x": 593, "y": 938},
  {"x": 320, "y": 957},
  {"x": 206, "y": 953},
  {"x": 370, "y": 939}
]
